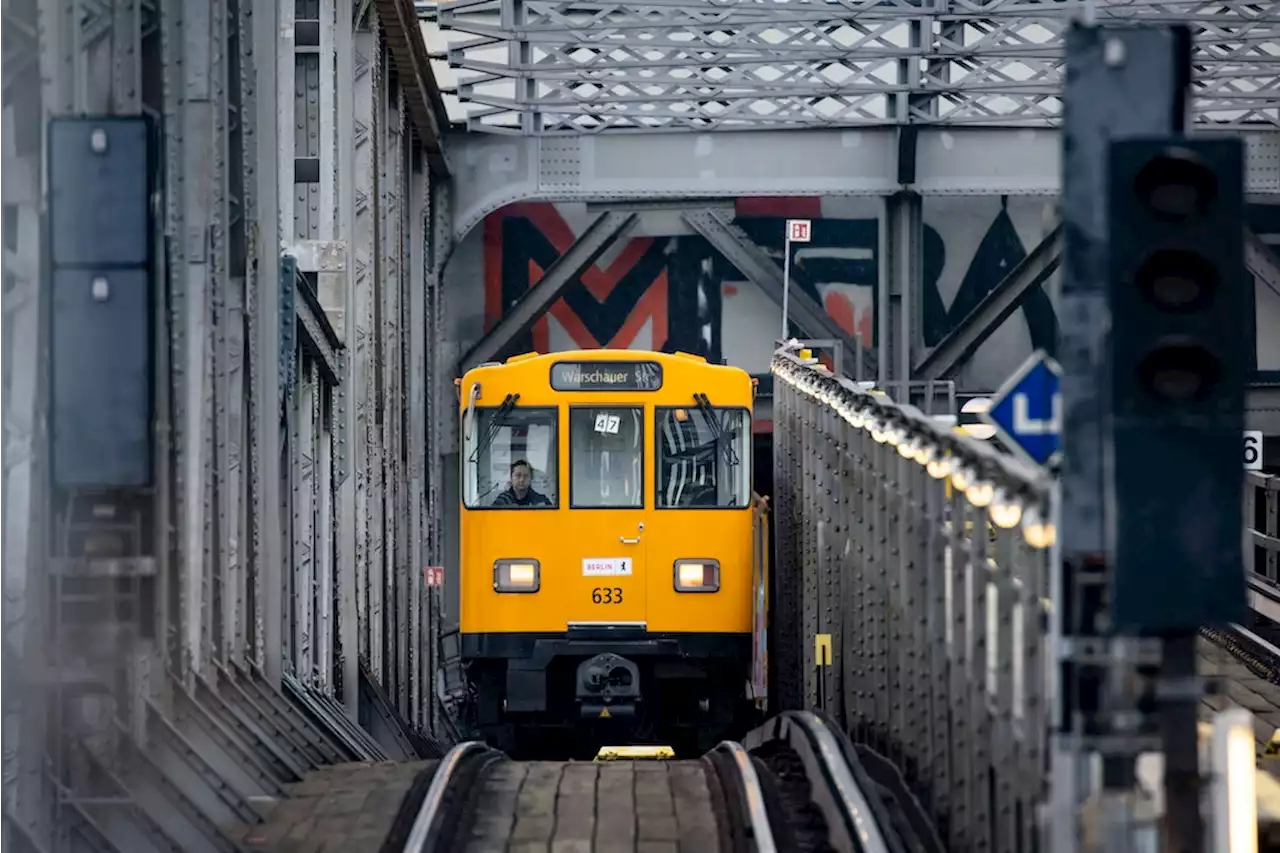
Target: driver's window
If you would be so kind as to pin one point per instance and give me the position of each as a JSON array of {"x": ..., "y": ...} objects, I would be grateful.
[
  {"x": 510, "y": 458},
  {"x": 606, "y": 457}
]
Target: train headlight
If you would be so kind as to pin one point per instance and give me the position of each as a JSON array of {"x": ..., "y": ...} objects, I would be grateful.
[
  {"x": 697, "y": 575},
  {"x": 516, "y": 575}
]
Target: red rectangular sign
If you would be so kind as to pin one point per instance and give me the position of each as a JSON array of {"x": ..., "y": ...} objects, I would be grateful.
[{"x": 798, "y": 230}]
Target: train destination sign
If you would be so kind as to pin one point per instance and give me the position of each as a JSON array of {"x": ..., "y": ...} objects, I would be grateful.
[{"x": 606, "y": 376}]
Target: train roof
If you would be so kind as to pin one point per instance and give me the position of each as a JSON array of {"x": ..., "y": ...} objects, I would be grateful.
[
  {"x": 677, "y": 373},
  {"x": 599, "y": 355}
]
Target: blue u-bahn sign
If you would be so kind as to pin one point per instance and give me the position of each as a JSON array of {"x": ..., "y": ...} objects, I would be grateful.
[{"x": 1027, "y": 410}]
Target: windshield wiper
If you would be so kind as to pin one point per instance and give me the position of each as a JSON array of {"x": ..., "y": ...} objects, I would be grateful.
[
  {"x": 508, "y": 403},
  {"x": 718, "y": 435}
]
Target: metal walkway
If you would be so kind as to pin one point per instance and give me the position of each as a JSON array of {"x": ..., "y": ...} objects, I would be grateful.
[{"x": 260, "y": 604}]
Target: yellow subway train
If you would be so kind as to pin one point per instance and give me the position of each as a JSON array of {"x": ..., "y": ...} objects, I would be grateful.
[{"x": 610, "y": 572}]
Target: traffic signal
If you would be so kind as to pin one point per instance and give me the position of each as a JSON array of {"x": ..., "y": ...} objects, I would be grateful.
[{"x": 1179, "y": 311}]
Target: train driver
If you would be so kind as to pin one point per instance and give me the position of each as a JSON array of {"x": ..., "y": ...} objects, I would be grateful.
[{"x": 521, "y": 491}]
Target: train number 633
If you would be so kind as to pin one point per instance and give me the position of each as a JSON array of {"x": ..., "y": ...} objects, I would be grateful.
[{"x": 606, "y": 595}]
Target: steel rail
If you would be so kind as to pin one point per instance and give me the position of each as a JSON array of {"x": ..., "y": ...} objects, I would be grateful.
[
  {"x": 420, "y": 838},
  {"x": 853, "y": 822},
  {"x": 752, "y": 805}
]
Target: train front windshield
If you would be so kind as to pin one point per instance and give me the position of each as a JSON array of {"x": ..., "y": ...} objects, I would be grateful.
[
  {"x": 606, "y": 466},
  {"x": 703, "y": 457},
  {"x": 499, "y": 438}
]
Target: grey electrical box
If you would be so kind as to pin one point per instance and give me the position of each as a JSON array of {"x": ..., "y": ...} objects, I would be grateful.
[
  {"x": 99, "y": 192},
  {"x": 102, "y": 378}
]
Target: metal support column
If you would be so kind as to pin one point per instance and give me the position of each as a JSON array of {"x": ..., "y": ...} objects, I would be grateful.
[
  {"x": 348, "y": 639},
  {"x": 445, "y": 491},
  {"x": 363, "y": 251},
  {"x": 30, "y": 93},
  {"x": 901, "y": 278},
  {"x": 421, "y": 635},
  {"x": 264, "y": 251}
]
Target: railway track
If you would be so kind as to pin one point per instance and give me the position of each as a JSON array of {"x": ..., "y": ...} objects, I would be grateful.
[
  {"x": 1242, "y": 663},
  {"x": 1255, "y": 645},
  {"x": 795, "y": 785}
]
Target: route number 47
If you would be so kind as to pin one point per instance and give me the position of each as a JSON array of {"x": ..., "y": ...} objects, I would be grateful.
[{"x": 1253, "y": 450}]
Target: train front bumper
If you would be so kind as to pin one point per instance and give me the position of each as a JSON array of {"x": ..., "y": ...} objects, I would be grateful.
[{"x": 612, "y": 662}]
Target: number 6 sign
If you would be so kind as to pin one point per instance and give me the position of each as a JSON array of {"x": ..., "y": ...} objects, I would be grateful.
[{"x": 1253, "y": 450}]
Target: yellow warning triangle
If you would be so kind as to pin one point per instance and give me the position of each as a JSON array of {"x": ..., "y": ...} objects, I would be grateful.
[
  {"x": 1272, "y": 749},
  {"x": 604, "y": 714}
]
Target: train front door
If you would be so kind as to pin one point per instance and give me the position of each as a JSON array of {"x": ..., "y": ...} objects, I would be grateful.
[{"x": 607, "y": 540}]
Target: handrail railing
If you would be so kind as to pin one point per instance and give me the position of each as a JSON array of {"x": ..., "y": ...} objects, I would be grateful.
[
  {"x": 1262, "y": 543},
  {"x": 937, "y": 637}
]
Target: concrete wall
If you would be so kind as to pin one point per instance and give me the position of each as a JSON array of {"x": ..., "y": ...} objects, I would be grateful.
[{"x": 666, "y": 288}]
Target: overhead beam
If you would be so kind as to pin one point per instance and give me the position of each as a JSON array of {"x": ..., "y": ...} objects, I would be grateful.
[
  {"x": 760, "y": 270},
  {"x": 567, "y": 269},
  {"x": 496, "y": 170},
  {"x": 959, "y": 345},
  {"x": 400, "y": 26}
]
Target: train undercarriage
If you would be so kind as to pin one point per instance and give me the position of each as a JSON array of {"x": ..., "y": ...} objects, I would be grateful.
[{"x": 566, "y": 695}]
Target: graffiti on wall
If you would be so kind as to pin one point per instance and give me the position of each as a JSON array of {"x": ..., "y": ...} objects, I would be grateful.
[
  {"x": 678, "y": 293},
  {"x": 606, "y": 308}
]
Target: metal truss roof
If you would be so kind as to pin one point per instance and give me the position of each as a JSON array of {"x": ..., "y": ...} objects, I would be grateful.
[{"x": 587, "y": 66}]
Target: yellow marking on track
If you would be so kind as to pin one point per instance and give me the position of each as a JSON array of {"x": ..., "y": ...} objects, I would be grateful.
[{"x": 635, "y": 753}]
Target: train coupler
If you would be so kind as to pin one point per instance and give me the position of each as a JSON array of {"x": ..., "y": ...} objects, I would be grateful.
[{"x": 608, "y": 687}]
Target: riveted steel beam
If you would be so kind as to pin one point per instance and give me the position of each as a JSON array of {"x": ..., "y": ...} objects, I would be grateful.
[
  {"x": 494, "y": 171},
  {"x": 409, "y": 52}
]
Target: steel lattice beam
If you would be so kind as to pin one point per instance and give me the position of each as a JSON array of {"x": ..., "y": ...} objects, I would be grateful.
[
  {"x": 568, "y": 268},
  {"x": 693, "y": 65},
  {"x": 760, "y": 270},
  {"x": 963, "y": 341}
]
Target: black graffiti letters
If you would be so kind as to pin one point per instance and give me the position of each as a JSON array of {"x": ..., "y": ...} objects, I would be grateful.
[{"x": 606, "y": 376}]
